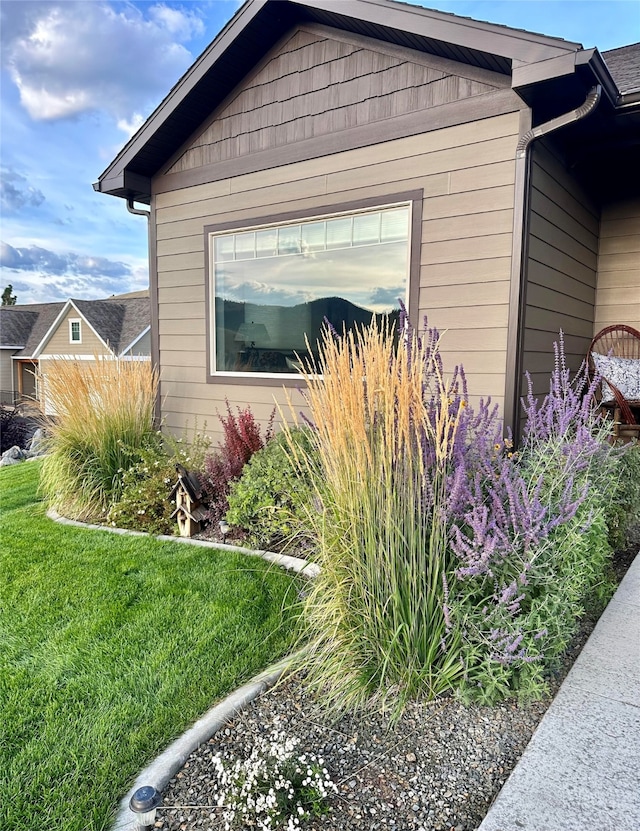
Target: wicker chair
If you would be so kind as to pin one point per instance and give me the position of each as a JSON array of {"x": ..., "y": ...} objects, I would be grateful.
[{"x": 612, "y": 353}]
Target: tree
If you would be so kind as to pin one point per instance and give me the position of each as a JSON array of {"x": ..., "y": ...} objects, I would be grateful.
[{"x": 8, "y": 297}]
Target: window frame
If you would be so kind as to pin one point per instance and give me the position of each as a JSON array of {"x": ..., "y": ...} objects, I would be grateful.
[
  {"x": 73, "y": 320},
  {"x": 411, "y": 198}
]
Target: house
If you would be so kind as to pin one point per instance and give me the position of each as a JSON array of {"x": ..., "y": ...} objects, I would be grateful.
[
  {"x": 323, "y": 159},
  {"x": 33, "y": 334}
]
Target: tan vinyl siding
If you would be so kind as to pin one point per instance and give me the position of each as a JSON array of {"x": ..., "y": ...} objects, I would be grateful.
[
  {"x": 6, "y": 375},
  {"x": 60, "y": 341},
  {"x": 465, "y": 252},
  {"x": 561, "y": 267},
  {"x": 618, "y": 295},
  {"x": 313, "y": 85},
  {"x": 141, "y": 347}
]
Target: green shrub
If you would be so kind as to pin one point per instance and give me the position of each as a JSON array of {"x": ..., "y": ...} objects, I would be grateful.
[
  {"x": 104, "y": 422},
  {"x": 145, "y": 503},
  {"x": 533, "y": 544},
  {"x": 622, "y": 511},
  {"x": 270, "y": 501}
]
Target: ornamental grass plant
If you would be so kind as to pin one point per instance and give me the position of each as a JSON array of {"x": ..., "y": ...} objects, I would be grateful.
[
  {"x": 103, "y": 423},
  {"x": 376, "y": 611}
]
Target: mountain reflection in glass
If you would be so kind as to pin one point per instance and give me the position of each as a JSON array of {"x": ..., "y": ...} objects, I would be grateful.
[{"x": 274, "y": 287}]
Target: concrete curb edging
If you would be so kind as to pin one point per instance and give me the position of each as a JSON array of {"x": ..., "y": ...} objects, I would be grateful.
[
  {"x": 297, "y": 564},
  {"x": 169, "y": 762}
]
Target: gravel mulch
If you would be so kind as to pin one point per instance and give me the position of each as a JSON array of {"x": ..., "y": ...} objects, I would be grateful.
[{"x": 438, "y": 769}]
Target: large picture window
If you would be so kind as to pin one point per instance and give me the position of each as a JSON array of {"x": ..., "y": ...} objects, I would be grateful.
[{"x": 274, "y": 286}]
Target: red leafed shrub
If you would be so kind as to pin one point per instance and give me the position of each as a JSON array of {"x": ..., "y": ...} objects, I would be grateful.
[{"x": 242, "y": 438}]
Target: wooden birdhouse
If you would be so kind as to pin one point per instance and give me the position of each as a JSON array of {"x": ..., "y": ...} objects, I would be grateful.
[{"x": 189, "y": 512}]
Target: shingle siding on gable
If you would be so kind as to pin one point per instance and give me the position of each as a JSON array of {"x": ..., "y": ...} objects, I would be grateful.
[{"x": 314, "y": 86}]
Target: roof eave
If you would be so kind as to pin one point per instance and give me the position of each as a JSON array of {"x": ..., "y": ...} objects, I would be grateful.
[
  {"x": 115, "y": 179},
  {"x": 568, "y": 75},
  {"x": 450, "y": 28},
  {"x": 508, "y": 44}
]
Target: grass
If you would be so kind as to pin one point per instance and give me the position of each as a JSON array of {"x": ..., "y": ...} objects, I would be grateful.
[{"x": 109, "y": 647}]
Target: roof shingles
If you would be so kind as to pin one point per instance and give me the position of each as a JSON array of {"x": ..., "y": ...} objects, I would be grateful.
[
  {"x": 624, "y": 66},
  {"x": 119, "y": 321}
]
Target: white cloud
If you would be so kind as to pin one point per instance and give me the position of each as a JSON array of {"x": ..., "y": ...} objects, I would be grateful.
[
  {"x": 16, "y": 193},
  {"x": 253, "y": 291},
  {"x": 71, "y": 57},
  {"x": 132, "y": 126},
  {"x": 175, "y": 21},
  {"x": 42, "y": 275}
]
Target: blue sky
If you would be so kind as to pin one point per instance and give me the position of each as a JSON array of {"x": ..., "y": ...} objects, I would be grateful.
[{"x": 79, "y": 76}]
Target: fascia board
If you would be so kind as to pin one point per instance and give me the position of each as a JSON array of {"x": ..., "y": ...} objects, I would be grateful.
[
  {"x": 135, "y": 340},
  {"x": 178, "y": 93},
  {"x": 594, "y": 60},
  {"x": 473, "y": 34},
  {"x": 534, "y": 73},
  {"x": 563, "y": 66},
  {"x": 51, "y": 330}
]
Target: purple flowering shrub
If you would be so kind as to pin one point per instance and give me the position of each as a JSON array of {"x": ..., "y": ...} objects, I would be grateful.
[{"x": 527, "y": 533}]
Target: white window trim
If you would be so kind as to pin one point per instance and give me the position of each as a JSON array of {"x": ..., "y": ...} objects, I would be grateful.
[
  {"x": 212, "y": 235},
  {"x": 73, "y": 320}
]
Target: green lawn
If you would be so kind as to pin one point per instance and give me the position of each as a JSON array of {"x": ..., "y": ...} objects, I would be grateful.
[{"x": 109, "y": 647}]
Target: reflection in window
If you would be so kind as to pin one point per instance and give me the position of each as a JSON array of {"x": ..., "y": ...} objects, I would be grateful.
[{"x": 275, "y": 287}]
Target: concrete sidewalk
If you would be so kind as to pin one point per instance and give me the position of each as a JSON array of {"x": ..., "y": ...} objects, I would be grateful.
[{"x": 581, "y": 770}]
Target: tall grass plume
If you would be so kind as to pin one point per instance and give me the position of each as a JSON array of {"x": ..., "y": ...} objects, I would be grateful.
[
  {"x": 103, "y": 421},
  {"x": 377, "y": 613}
]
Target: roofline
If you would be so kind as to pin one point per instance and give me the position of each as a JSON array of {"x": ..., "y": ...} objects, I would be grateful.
[
  {"x": 594, "y": 60},
  {"x": 446, "y": 26},
  {"x": 576, "y": 64},
  {"x": 49, "y": 333},
  {"x": 123, "y": 352},
  {"x": 481, "y": 36}
]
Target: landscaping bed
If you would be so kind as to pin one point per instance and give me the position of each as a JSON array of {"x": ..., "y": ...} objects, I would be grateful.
[
  {"x": 453, "y": 567},
  {"x": 438, "y": 769}
]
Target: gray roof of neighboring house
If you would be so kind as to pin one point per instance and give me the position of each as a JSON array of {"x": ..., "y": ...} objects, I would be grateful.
[
  {"x": 118, "y": 320},
  {"x": 25, "y": 325},
  {"x": 624, "y": 66}
]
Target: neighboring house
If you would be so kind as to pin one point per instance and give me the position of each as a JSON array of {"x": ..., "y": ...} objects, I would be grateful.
[
  {"x": 32, "y": 335},
  {"x": 321, "y": 159}
]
